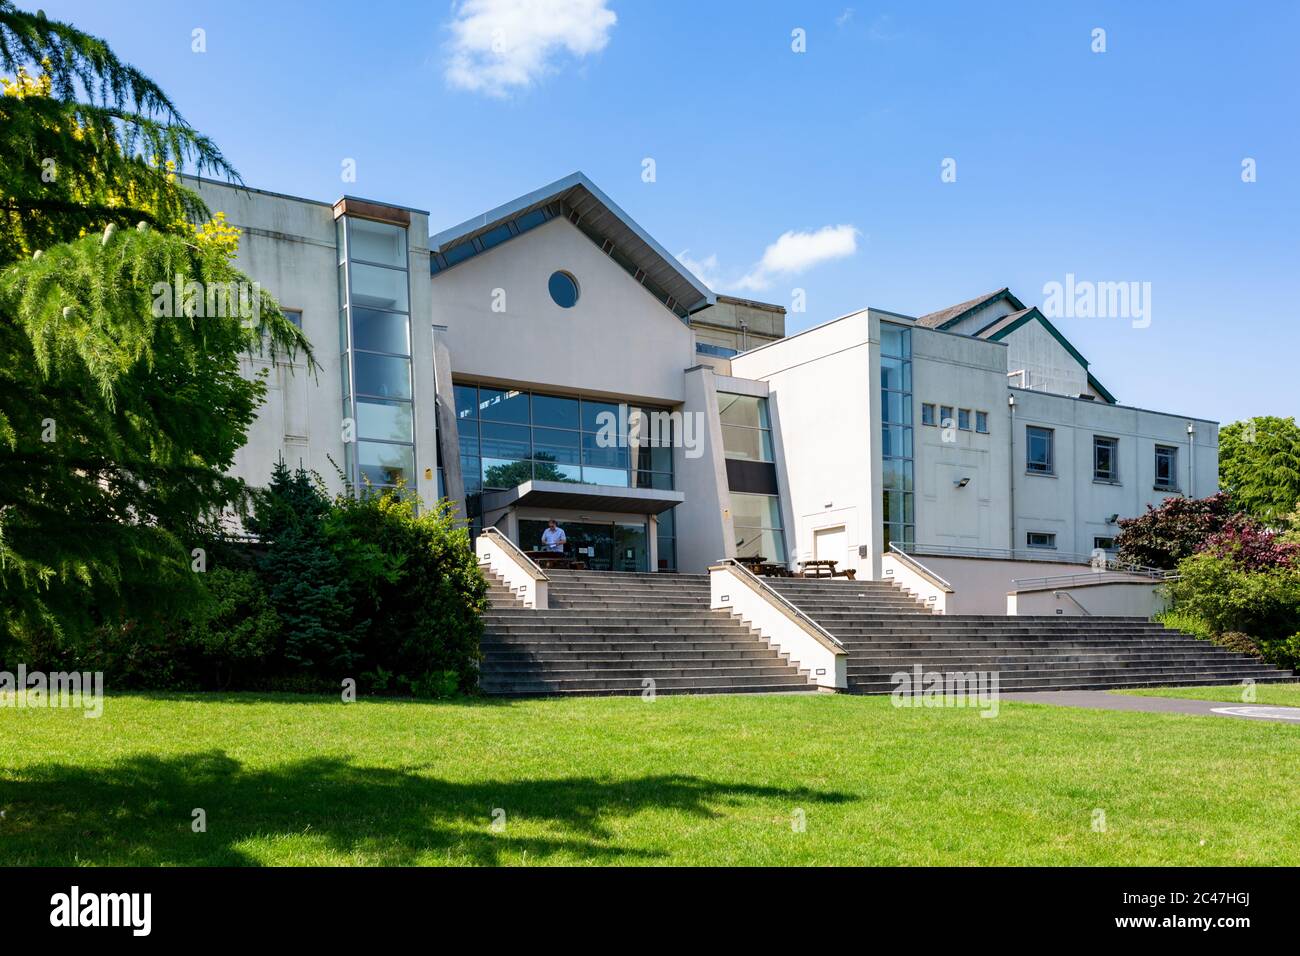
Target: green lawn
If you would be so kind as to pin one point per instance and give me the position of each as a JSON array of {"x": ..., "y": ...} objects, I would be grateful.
[
  {"x": 682, "y": 780},
  {"x": 1266, "y": 695}
]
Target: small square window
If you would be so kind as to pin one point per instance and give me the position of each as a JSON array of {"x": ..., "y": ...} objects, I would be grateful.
[
  {"x": 963, "y": 419},
  {"x": 946, "y": 419},
  {"x": 294, "y": 316},
  {"x": 1040, "y": 539},
  {"x": 1103, "y": 544},
  {"x": 927, "y": 413},
  {"x": 982, "y": 422}
]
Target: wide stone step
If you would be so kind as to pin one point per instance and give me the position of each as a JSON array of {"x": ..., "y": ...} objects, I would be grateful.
[
  {"x": 633, "y": 686},
  {"x": 1053, "y": 683},
  {"x": 544, "y": 647},
  {"x": 565, "y": 670}
]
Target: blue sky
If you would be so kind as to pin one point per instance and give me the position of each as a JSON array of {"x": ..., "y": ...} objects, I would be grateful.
[{"x": 1122, "y": 166}]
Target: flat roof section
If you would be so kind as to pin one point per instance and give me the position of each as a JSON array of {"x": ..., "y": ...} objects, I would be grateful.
[{"x": 570, "y": 496}]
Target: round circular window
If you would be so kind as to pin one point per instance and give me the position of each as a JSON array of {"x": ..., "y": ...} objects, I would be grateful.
[{"x": 564, "y": 289}]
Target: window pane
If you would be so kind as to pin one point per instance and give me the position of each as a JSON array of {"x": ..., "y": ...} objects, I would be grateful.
[
  {"x": 755, "y": 511},
  {"x": 498, "y": 405},
  {"x": 593, "y": 454},
  {"x": 390, "y": 421},
  {"x": 982, "y": 422},
  {"x": 380, "y": 331},
  {"x": 504, "y": 473},
  {"x": 377, "y": 242},
  {"x": 378, "y": 288},
  {"x": 897, "y": 442},
  {"x": 466, "y": 401},
  {"x": 617, "y": 477},
  {"x": 963, "y": 419},
  {"x": 467, "y": 432},
  {"x": 384, "y": 464},
  {"x": 547, "y": 470},
  {"x": 896, "y": 473},
  {"x": 382, "y": 375},
  {"x": 896, "y": 374},
  {"x": 594, "y": 415},
  {"x": 753, "y": 542},
  {"x": 552, "y": 444},
  {"x": 654, "y": 458},
  {"x": 1039, "y": 449},
  {"x": 747, "y": 444},
  {"x": 927, "y": 414},
  {"x": 654, "y": 479},
  {"x": 469, "y": 469},
  {"x": 895, "y": 340},
  {"x": 555, "y": 412},
  {"x": 743, "y": 410},
  {"x": 505, "y": 441},
  {"x": 897, "y": 408}
]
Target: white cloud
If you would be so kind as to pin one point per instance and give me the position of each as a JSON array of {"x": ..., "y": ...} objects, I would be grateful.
[
  {"x": 844, "y": 17},
  {"x": 500, "y": 46},
  {"x": 706, "y": 269},
  {"x": 796, "y": 252}
]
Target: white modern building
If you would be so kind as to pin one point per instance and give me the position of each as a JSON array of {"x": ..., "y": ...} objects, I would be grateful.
[{"x": 549, "y": 359}]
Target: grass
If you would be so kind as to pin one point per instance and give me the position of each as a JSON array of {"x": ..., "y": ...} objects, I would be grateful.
[
  {"x": 681, "y": 780},
  {"x": 1266, "y": 695}
]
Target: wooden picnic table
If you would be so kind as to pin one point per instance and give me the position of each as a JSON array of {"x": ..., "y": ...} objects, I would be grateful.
[{"x": 824, "y": 568}]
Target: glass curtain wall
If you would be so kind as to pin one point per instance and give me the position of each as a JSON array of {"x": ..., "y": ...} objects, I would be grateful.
[
  {"x": 509, "y": 436},
  {"x": 375, "y": 341},
  {"x": 898, "y": 506}
]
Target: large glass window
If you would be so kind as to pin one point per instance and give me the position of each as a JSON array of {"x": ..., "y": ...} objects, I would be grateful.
[
  {"x": 898, "y": 501},
  {"x": 509, "y": 436},
  {"x": 746, "y": 428},
  {"x": 1040, "y": 457},
  {"x": 375, "y": 340},
  {"x": 757, "y": 520}
]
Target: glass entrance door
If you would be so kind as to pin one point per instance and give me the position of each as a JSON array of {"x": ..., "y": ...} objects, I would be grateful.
[{"x": 619, "y": 546}]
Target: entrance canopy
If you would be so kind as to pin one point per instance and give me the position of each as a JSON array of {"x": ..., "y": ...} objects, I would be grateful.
[{"x": 571, "y": 496}]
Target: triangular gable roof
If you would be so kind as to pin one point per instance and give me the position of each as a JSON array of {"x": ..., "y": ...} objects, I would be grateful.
[
  {"x": 955, "y": 313},
  {"x": 1001, "y": 328},
  {"x": 601, "y": 219}
]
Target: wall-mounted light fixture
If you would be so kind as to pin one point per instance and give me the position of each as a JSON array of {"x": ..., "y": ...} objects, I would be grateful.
[
  {"x": 1112, "y": 519},
  {"x": 962, "y": 482}
]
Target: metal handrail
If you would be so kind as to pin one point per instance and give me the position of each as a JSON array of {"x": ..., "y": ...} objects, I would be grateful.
[
  {"x": 1093, "y": 577},
  {"x": 1058, "y": 594},
  {"x": 920, "y": 568},
  {"x": 1026, "y": 554},
  {"x": 766, "y": 589},
  {"x": 496, "y": 533}
]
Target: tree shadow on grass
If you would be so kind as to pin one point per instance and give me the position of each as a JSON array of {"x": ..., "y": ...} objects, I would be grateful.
[{"x": 139, "y": 812}]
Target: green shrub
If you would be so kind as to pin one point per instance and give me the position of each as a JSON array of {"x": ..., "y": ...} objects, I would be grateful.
[
  {"x": 1225, "y": 598},
  {"x": 234, "y": 634}
]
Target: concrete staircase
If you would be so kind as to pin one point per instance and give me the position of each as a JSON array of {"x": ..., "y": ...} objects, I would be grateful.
[
  {"x": 886, "y": 631},
  {"x": 606, "y": 633}
]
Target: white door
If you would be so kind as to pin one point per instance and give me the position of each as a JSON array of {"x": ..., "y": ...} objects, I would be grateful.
[{"x": 831, "y": 544}]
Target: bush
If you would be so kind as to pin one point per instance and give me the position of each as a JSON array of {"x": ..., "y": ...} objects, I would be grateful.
[
  {"x": 234, "y": 634},
  {"x": 1161, "y": 537},
  {"x": 1228, "y": 598}
]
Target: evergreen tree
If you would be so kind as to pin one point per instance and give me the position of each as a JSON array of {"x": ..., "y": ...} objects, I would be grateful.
[
  {"x": 1259, "y": 463},
  {"x": 121, "y": 409}
]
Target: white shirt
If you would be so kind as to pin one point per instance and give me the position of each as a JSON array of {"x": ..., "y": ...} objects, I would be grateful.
[{"x": 553, "y": 539}]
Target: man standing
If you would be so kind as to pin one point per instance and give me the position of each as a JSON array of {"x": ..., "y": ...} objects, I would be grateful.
[{"x": 553, "y": 537}]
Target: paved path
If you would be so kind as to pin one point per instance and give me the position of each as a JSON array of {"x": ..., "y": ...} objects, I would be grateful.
[{"x": 1101, "y": 700}]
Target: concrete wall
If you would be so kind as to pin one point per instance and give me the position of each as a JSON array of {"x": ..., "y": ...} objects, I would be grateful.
[
  {"x": 1048, "y": 365},
  {"x": 1131, "y": 599},
  {"x": 289, "y": 246},
  {"x": 617, "y": 341},
  {"x": 822, "y": 386},
  {"x": 965, "y": 373},
  {"x": 1074, "y": 506},
  {"x": 705, "y": 532}
]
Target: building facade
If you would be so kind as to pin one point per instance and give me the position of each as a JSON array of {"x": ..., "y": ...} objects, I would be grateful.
[{"x": 548, "y": 359}]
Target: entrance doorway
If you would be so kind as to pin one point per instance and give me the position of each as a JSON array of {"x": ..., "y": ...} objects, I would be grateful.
[
  {"x": 616, "y": 546},
  {"x": 830, "y": 544}
]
